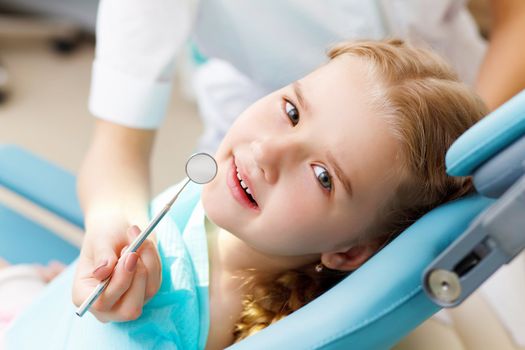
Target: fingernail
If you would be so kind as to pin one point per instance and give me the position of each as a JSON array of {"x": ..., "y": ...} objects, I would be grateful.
[
  {"x": 135, "y": 230},
  {"x": 131, "y": 261},
  {"x": 104, "y": 263}
]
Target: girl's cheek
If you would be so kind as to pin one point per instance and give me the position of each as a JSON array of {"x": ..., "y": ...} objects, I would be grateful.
[
  {"x": 300, "y": 205},
  {"x": 305, "y": 186}
]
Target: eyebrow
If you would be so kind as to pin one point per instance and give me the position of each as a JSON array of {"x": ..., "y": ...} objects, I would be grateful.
[
  {"x": 339, "y": 173},
  {"x": 299, "y": 93}
]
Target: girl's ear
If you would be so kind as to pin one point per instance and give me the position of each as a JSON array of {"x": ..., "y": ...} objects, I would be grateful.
[{"x": 350, "y": 259}]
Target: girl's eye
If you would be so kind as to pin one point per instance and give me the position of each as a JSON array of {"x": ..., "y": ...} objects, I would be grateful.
[
  {"x": 291, "y": 112},
  {"x": 323, "y": 177}
]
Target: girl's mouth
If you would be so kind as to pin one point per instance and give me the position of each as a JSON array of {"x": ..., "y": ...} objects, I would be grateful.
[{"x": 239, "y": 189}]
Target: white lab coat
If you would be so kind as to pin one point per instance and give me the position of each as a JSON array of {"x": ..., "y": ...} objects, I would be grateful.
[{"x": 271, "y": 43}]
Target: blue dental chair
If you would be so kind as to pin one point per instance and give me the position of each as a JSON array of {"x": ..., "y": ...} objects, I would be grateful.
[{"x": 436, "y": 262}]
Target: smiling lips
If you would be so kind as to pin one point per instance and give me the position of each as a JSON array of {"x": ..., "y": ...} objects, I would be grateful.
[{"x": 240, "y": 189}]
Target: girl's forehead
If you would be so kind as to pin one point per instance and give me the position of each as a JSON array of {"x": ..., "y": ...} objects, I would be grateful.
[
  {"x": 338, "y": 94},
  {"x": 345, "y": 67},
  {"x": 343, "y": 84}
]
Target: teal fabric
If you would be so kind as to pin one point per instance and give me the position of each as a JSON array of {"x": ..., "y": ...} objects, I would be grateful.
[
  {"x": 489, "y": 136},
  {"x": 176, "y": 318}
]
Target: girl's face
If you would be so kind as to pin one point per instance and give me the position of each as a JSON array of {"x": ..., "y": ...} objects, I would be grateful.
[{"x": 316, "y": 159}]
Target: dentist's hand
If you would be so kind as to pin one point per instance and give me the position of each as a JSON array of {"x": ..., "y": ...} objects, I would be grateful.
[{"x": 135, "y": 280}]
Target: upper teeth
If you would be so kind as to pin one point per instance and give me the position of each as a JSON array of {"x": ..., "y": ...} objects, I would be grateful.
[{"x": 244, "y": 186}]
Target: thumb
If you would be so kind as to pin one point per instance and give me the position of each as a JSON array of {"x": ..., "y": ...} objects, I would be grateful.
[
  {"x": 105, "y": 261},
  {"x": 133, "y": 232}
]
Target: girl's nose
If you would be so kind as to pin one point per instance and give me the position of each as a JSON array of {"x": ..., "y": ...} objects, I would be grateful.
[{"x": 273, "y": 154}]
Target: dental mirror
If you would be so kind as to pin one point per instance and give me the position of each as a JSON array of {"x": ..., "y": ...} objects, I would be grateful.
[{"x": 201, "y": 168}]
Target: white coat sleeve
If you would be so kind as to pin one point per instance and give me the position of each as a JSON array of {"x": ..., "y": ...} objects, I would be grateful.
[{"x": 137, "y": 41}]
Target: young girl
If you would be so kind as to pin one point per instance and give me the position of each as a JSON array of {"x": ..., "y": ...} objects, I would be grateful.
[{"x": 313, "y": 179}]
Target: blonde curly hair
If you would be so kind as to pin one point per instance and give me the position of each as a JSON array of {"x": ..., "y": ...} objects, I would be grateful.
[{"x": 427, "y": 108}]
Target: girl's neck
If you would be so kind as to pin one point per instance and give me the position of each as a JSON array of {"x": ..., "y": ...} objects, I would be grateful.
[{"x": 234, "y": 258}]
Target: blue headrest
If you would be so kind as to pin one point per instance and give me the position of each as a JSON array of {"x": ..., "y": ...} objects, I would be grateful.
[{"x": 489, "y": 136}]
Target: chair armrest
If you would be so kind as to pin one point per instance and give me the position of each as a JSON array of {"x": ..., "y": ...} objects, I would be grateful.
[{"x": 41, "y": 182}]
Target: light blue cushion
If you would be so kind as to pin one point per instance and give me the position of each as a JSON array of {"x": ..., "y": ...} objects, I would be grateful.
[{"x": 489, "y": 136}]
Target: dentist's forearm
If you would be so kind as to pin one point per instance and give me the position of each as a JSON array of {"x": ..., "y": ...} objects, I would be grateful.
[
  {"x": 114, "y": 178},
  {"x": 502, "y": 73}
]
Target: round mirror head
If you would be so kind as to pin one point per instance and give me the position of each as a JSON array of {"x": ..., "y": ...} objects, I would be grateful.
[{"x": 201, "y": 168}]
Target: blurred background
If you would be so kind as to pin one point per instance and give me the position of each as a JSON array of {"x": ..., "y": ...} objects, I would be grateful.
[{"x": 46, "y": 51}]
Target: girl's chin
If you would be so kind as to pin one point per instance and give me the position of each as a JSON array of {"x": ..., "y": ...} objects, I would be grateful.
[
  {"x": 214, "y": 211},
  {"x": 205, "y": 199}
]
